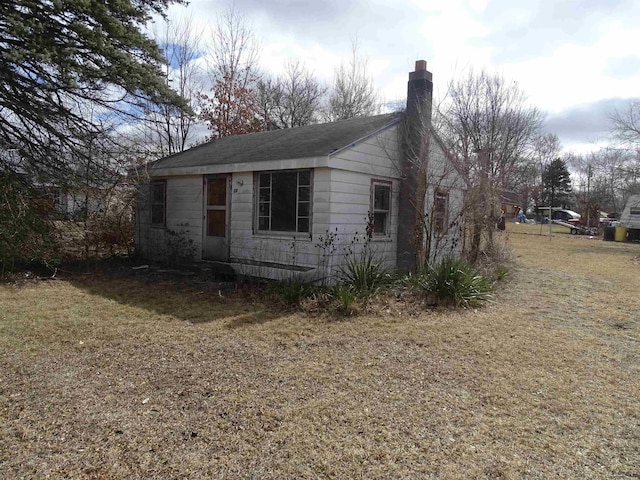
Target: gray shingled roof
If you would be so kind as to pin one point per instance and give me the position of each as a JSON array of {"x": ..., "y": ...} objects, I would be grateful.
[{"x": 301, "y": 142}]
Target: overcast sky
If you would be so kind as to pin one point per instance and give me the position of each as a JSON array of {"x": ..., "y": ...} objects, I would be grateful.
[{"x": 575, "y": 59}]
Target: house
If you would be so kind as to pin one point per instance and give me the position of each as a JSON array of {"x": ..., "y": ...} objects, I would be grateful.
[
  {"x": 297, "y": 201},
  {"x": 510, "y": 203},
  {"x": 630, "y": 216}
]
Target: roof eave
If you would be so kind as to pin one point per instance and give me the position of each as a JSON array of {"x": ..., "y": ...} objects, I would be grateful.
[{"x": 265, "y": 165}]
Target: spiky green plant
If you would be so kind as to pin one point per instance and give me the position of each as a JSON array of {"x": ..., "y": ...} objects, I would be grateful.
[
  {"x": 454, "y": 281},
  {"x": 365, "y": 273}
]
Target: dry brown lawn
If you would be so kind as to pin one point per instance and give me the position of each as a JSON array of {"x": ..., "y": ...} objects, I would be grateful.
[{"x": 121, "y": 378}]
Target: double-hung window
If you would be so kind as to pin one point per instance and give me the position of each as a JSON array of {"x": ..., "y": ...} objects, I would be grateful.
[
  {"x": 440, "y": 212},
  {"x": 158, "y": 202},
  {"x": 284, "y": 201},
  {"x": 380, "y": 207}
]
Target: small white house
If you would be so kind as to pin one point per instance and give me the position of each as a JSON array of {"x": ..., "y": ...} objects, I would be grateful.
[
  {"x": 630, "y": 216},
  {"x": 297, "y": 200}
]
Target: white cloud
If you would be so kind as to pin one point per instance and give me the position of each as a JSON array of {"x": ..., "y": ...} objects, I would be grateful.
[{"x": 562, "y": 54}]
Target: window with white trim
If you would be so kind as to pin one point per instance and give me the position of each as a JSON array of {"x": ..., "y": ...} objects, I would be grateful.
[
  {"x": 158, "y": 202},
  {"x": 284, "y": 201},
  {"x": 380, "y": 207}
]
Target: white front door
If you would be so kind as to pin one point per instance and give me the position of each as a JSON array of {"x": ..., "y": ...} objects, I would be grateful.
[{"x": 216, "y": 218}]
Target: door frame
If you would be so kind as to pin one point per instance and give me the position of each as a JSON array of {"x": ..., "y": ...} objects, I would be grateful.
[{"x": 227, "y": 227}]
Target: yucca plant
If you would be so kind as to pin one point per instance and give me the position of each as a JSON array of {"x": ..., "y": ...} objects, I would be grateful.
[
  {"x": 345, "y": 299},
  {"x": 365, "y": 273},
  {"x": 455, "y": 282}
]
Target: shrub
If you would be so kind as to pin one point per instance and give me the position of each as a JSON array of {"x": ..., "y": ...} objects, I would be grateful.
[
  {"x": 179, "y": 248},
  {"x": 25, "y": 229},
  {"x": 501, "y": 272},
  {"x": 365, "y": 274},
  {"x": 345, "y": 299},
  {"x": 293, "y": 290},
  {"x": 455, "y": 282}
]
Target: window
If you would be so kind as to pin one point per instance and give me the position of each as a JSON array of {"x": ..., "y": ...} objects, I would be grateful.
[
  {"x": 284, "y": 201},
  {"x": 381, "y": 207},
  {"x": 158, "y": 202},
  {"x": 440, "y": 212}
]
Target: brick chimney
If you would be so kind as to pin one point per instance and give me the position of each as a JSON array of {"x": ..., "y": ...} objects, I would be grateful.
[
  {"x": 416, "y": 127},
  {"x": 420, "y": 91}
]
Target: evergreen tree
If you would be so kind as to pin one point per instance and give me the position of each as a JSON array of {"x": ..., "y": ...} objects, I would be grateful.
[
  {"x": 59, "y": 60},
  {"x": 556, "y": 184}
]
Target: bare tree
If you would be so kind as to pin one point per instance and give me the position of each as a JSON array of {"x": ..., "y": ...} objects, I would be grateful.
[
  {"x": 606, "y": 178},
  {"x": 625, "y": 124},
  {"x": 488, "y": 127},
  {"x": 291, "y": 100},
  {"x": 181, "y": 46},
  {"x": 353, "y": 93},
  {"x": 232, "y": 69}
]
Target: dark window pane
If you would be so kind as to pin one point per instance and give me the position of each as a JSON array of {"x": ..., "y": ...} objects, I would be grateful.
[
  {"x": 264, "y": 210},
  {"x": 263, "y": 223},
  {"x": 381, "y": 197},
  {"x": 283, "y": 201},
  {"x": 265, "y": 194},
  {"x": 303, "y": 209},
  {"x": 303, "y": 194},
  {"x": 217, "y": 191},
  {"x": 157, "y": 192},
  {"x": 157, "y": 214},
  {"x": 303, "y": 224},
  {"x": 216, "y": 223},
  {"x": 379, "y": 223},
  {"x": 304, "y": 178},
  {"x": 265, "y": 180}
]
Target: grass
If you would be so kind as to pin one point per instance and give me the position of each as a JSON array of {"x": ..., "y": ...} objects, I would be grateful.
[{"x": 115, "y": 377}]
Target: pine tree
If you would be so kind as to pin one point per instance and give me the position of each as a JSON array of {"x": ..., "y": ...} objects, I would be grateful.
[
  {"x": 59, "y": 60},
  {"x": 556, "y": 184}
]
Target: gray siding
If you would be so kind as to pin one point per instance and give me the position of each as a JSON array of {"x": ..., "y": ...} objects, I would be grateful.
[
  {"x": 342, "y": 188},
  {"x": 184, "y": 203}
]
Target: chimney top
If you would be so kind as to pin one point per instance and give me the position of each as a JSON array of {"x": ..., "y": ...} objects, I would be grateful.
[{"x": 421, "y": 65}]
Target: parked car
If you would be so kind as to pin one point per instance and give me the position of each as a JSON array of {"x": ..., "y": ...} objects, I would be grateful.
[{"x": 566, "y": 216}]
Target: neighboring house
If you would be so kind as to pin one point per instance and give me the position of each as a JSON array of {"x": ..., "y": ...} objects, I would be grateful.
[
  {"x": 72, "y": 204},
  {"x": 299, "y": 199},
  {"x": 630, "y": 216},
  {"x": 510, "y": 203}
]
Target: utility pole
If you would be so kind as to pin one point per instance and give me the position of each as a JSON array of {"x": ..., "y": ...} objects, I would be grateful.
[{"x": 588, "y": 196}]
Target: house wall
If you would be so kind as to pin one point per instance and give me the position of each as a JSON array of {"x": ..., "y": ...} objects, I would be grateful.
[
  {"x": 183, "y": 229},
  {"x": 348, "y": 210},
  {"x": 374, "y": 155},
  {"x": 258, "y": 253},
  {"x": 341, "y": 204},
  {"x": 442, "y": 176}
]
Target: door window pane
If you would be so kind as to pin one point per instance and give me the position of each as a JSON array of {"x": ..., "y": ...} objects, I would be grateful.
[
  {"x": 216, "y": 223},
  {"x": 217, "y": 192}
]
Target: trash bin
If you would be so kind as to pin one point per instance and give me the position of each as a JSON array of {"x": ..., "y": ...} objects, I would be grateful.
[
  {"x": 621, "y": 234},
  {"x": 609, "y": 234},
  {"x": 634, "y": 235}
]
